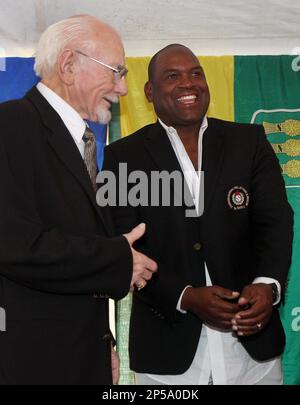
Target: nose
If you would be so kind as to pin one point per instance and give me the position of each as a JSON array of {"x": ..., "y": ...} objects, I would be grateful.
[
  {"x": 121, "y": 87},
  {"x": 186, "y": 81}
]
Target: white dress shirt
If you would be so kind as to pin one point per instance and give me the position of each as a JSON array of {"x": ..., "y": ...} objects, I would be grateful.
[
  {"x": 219, "y": 353},
  {"x": 70, "y": 117}
]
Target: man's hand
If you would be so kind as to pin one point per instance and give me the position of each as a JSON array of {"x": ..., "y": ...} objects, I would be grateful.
[
  {"x": 143, "y": 267},
  {"x": 256, "y": 305},
  {"x": 115, "y": 366},
  {"x": 213, "y": 305}
]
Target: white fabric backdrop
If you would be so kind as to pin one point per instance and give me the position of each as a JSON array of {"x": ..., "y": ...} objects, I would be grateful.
[{"x": 209, "y": 27}]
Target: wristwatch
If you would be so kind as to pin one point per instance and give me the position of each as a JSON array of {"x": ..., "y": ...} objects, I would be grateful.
[{"x": 275, "y": 292}]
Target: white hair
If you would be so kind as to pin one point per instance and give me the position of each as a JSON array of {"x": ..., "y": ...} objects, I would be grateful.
[{"x": 73, "y": 31}]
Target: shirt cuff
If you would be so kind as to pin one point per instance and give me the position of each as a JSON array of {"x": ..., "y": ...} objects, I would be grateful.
[
  {"x": 178, "y": 307},
  {"x": 269, "y": 280}
]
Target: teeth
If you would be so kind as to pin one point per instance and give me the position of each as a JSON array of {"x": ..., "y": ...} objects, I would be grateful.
[{"x": 187, "y": 98}]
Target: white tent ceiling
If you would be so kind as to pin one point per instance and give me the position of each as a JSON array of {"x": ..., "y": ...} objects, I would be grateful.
[{"x": 209, "y": 27}]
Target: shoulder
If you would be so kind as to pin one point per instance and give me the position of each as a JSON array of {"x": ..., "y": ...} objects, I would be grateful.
[
  {"x": 239, "y": 134},
  {"x": 20, "y": 106},
  {"x": 17, "y": 113},
  {"x": 19, "y": 123},
  {"x": 230, "y": 127},
  {"x": 132, "y": 141}
]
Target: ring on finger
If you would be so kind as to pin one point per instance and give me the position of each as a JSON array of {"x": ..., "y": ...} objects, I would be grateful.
[{"x": 141, "y": 285}]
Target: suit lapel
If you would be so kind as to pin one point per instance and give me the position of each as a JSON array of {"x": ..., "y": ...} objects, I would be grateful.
[
  {"x": 64, "y": 146},
  {"x": 212, "y": 160},
  {"x": 158, "y": 145}
]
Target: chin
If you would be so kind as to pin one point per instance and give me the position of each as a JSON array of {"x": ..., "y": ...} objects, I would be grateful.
[{"x": 103, "y": 116}]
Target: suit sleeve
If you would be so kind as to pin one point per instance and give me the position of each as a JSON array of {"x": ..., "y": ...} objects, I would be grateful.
[
  {"x": 271, "y": 215},
  {"x": 163, "y": 291},
  {"x": 49, "y": 259}
]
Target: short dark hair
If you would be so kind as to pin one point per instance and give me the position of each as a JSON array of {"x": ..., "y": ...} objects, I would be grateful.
[{"x": 153, "y": 60}]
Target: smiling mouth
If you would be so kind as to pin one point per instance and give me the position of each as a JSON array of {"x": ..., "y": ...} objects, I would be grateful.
[
  {"x": 112, "y": 100},
  {"x": 188, "y": 99},
  {"x": 108, "y": 101}
]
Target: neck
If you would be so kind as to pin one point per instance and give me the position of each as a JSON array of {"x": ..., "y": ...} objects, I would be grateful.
[
  {"x": 56, "y": 86},
  {"x": 189, "y": 137},
  {"x": 189, "y": 134},
  {"x": 63, "y": 91}
]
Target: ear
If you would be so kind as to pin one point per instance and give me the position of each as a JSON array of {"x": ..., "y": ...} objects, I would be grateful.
[
  {"x": 65, "y": 66},
  {"x": 148, "y": 91}
]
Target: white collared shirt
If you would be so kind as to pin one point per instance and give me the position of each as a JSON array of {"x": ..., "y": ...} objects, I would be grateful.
[
  {"x": 218, "y": 353},
  {"x": 70, "y": 117}
]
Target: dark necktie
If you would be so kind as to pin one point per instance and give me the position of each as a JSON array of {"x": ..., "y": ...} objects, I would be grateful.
[{"x": 90, "y": 155}]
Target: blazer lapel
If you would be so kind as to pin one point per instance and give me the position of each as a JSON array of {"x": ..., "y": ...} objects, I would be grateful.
[
  {"x": 160, "y": 149},
  {"x": 212, "y": 159},
  {"x": 63, "y": 144},
  {"x": 158, "y": 145}
]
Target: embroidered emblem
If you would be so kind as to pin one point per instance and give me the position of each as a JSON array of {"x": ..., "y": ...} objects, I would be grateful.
[{"x": 238, "y": 198}]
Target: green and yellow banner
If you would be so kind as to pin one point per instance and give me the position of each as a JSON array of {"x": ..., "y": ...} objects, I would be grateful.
[{"x": 253, "y": 89}]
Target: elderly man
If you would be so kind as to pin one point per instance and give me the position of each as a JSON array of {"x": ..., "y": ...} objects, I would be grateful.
[
  {"x": 59, "y": 260},
  {"x": 210, "y": 315}
]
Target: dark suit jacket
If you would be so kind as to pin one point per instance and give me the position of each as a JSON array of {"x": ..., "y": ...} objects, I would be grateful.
[
  {"x": 236, "y": 244},
  {"x": 58, "y": 259}
]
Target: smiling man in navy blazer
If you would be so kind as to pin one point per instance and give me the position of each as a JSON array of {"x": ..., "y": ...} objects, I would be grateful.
[
  {"x": 59, "y": 260},
  {"x": 210, "y": 314}
]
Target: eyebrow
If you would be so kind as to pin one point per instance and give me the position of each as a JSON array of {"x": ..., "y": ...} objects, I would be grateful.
[{"x": 179, "y": 70}]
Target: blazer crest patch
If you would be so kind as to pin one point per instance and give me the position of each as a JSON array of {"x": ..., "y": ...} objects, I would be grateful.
[{"x": 238, "y": 198}]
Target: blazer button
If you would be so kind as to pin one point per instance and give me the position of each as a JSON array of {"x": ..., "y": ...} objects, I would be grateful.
[{"x": 197, "y": 246}]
